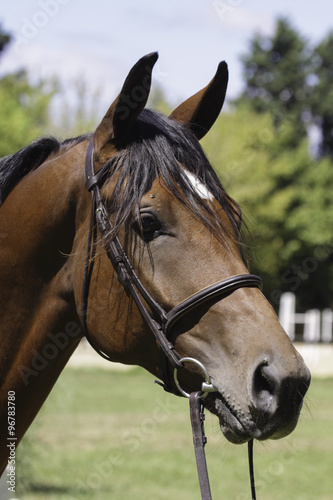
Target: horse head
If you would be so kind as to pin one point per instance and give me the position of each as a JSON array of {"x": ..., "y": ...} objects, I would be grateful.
[{"x": 181, "y": 233}]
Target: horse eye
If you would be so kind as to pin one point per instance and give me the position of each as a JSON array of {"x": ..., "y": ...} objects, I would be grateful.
[
  {"x": 148, "y": 227},
  {"x": 150, "y": 223}
]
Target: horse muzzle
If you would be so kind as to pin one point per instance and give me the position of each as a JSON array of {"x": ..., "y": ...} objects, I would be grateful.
[{"x": 269, "y": 410}]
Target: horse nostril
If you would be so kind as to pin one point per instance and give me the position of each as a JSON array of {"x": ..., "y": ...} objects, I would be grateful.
[
  {"x": 276, "y": 393},
  {"x": 264, "y": 388}
]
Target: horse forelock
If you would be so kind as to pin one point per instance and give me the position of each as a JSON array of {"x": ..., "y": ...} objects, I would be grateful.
[{"x": 162, "y": 148}]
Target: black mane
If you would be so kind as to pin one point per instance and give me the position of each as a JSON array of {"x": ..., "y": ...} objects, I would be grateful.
[
  {"x": 157, "y": 148},
  {"x": 14, "y": 167}
]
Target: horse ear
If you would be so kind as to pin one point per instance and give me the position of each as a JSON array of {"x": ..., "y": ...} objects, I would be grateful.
[
  {"x": 200, "y": 111},
  {"x": 120, "y": 117}
]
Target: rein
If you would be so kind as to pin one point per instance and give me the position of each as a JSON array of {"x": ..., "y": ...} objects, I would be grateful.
[
  {"x": 165, "y": 320},
  {"x": 199, "y": 441},
  {"x": 197, "y": 417}
]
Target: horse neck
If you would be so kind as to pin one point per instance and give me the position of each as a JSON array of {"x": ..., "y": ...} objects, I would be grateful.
[{"x": 39, "y": 324}]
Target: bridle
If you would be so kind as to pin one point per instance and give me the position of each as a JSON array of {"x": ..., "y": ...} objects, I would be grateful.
[
  {"x": 159, "y": 321},
  {"x": 156, "y": 318}
]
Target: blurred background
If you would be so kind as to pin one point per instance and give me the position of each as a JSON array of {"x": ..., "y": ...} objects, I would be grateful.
[{"x": 62, "y": 62}]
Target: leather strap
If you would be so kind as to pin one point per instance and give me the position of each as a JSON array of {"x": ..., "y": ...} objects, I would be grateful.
[
  {"x": 124, "y": 270},
  {"x": 157, "y": 319},
  {"x": 199, "y": 440},
  {"x": 220, "y": 289},
  {"x": 251, "y": 468}
]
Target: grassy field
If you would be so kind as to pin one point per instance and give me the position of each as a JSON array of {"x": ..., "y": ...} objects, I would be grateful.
[{"x": 115, "y": 436}]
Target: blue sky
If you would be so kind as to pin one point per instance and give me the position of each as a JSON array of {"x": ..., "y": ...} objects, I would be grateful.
[{"x": 99, "y": 40}]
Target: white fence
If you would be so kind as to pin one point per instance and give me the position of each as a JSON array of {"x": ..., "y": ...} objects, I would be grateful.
[{"x": 316, "y": 325}]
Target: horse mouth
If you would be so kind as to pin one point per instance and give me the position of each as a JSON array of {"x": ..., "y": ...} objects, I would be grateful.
[
  {"x": 240, "y": 426},
  {"x": 235, "y": 429}
]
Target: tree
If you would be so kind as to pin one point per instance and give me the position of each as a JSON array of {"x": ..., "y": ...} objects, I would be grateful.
[
  {"x": 24, "y": 107},
  {"x": 286, "y": 200},
  {"x": 77, "y": 114},
  {"x": 4, "y": 39},
  {"x": 158, "y": 101},
  {"x": 276, "y": 70},
  {"x": 322, "y": 96},
  {"x": 24, "y": 111},
  {"x": 286, "y": 190}
]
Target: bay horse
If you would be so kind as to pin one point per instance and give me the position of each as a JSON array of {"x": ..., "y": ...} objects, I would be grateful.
[{"x": 167, "y": 222}]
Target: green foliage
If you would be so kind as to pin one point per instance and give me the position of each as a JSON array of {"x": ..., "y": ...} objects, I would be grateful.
[
  {"x": 31, "y": 109},
  {"x": 286, "y": 199},
  {"x": 287, "y": 191},
  {"x": 24, "y": 111},
  {"x": 291, "y": 80},
  {"x": 76, "y": 109},
  {"x": 158, "y": 101},
  {"x": 322, "y": 96},
  {"x": 276, "y": 70},
  {"x": 24, "y": 107},
  {"x": 260, "y": 151},
  {"x": 4, "y": 38}
]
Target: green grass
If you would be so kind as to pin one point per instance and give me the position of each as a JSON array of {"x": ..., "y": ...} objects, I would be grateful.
[{"x": 116, "y": 436}]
